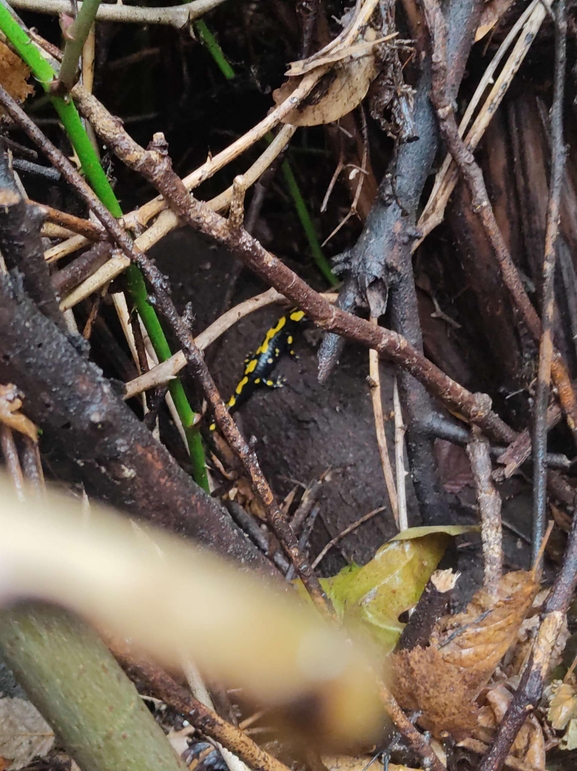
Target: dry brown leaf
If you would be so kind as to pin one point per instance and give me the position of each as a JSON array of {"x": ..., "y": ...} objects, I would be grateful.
[
  {"x": 24, "y": 734},
  {"x": 10, "y": 414},
  {"x": 478, "y": 638},
  {"x": 439, "y": 689},
  {"x": 562, "y": 712},
  {"x": 529, "y": 745},
  {"x": 444, "y": 680},
  {"x": 492, "y": 14},
  {"x": 341, "y": 90},
  {"x": 14, "y": 74}
]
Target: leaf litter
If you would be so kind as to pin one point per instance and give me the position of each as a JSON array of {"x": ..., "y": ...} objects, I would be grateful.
[{"x": 24, "y": 734}]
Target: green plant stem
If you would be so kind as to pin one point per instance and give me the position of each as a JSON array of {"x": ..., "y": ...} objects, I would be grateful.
[
  {"x": 77, "y": 35},
  {"x": 214, "y": 49},
  {"x": 82, "y": 692},
  {"x": 305, "y": 219},
  {"x": 95, "y": 175},
  {"x": 224, "y": 66},
  {"x": 149, "y": 317}
]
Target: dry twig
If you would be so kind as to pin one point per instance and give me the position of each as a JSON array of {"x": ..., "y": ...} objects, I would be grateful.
[{"x": 155, "y": 166}]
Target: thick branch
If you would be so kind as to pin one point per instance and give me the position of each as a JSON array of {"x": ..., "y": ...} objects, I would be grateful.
[
  {"x": 116, "y": 457},
  {"x": 155, "y": 166},
  {"x": 75, "y": 682}
]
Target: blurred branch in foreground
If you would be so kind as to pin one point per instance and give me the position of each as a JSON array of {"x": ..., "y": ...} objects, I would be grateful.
[{"x": 178, "y": 602}]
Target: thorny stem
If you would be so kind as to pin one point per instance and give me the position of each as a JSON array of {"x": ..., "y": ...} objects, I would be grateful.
[
  {"x": 155, "y": 166},
  {"x": 75, "y": 38},
  {"x": 548, "y": 302},
  {"x": 91, "y": 167}
]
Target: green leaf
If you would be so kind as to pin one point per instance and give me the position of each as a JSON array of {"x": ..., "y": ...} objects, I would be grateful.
[{"x": 372, "y": 597}]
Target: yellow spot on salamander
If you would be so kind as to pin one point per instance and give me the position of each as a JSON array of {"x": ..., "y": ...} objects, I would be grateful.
[
  {"x": 241, "y": 385},
  {"x": 270, "y": 334},
  {"x": 257, "y": 381},
  {"x": 250, "y": 366},
  {"x": 296, "y": 315},
  {"x": 270, "y": 361},
  {"x": 290, "y": 339}
]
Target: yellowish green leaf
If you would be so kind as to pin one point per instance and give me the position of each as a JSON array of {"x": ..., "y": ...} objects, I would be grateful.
[{"x": 372, "y": 597}]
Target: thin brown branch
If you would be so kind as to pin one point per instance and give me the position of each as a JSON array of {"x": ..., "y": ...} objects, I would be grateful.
[
  {"x": 377, "y": 401},
  {"x": 415, "y": 739},
  {"x": 474, "y": 407},
  {"x": 350, "y": 529},
  {"x": 155, "y": 166},
  {"x": 91, "y": 230},
  {"x": 204, "y": 719}
]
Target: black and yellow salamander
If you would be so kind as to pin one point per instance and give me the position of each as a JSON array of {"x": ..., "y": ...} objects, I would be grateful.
[{"x": 258, "y": 368}]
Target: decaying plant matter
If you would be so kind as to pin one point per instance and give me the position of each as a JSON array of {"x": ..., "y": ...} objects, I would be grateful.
[{"x": 438, "y": 172}]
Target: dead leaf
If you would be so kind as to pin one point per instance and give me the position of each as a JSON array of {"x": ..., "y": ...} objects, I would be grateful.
[
  {"x": 477, "y": 639},
  {"x": 569, "y": 740},
  {"x": 24, "y": 734},
  {"x": 10, "y": 415},
  {"x": 562, "y": 712},
  {"x": 492, "y": 14},
  {"x": 444, "y": 680},
  {"x": 343, "y": 87},
  {"x": 14, "y": 75},
  {"x": 529, "y": 744},
  {"x": 562, "y": 704},
  {"x": 442, "y": 691}
]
